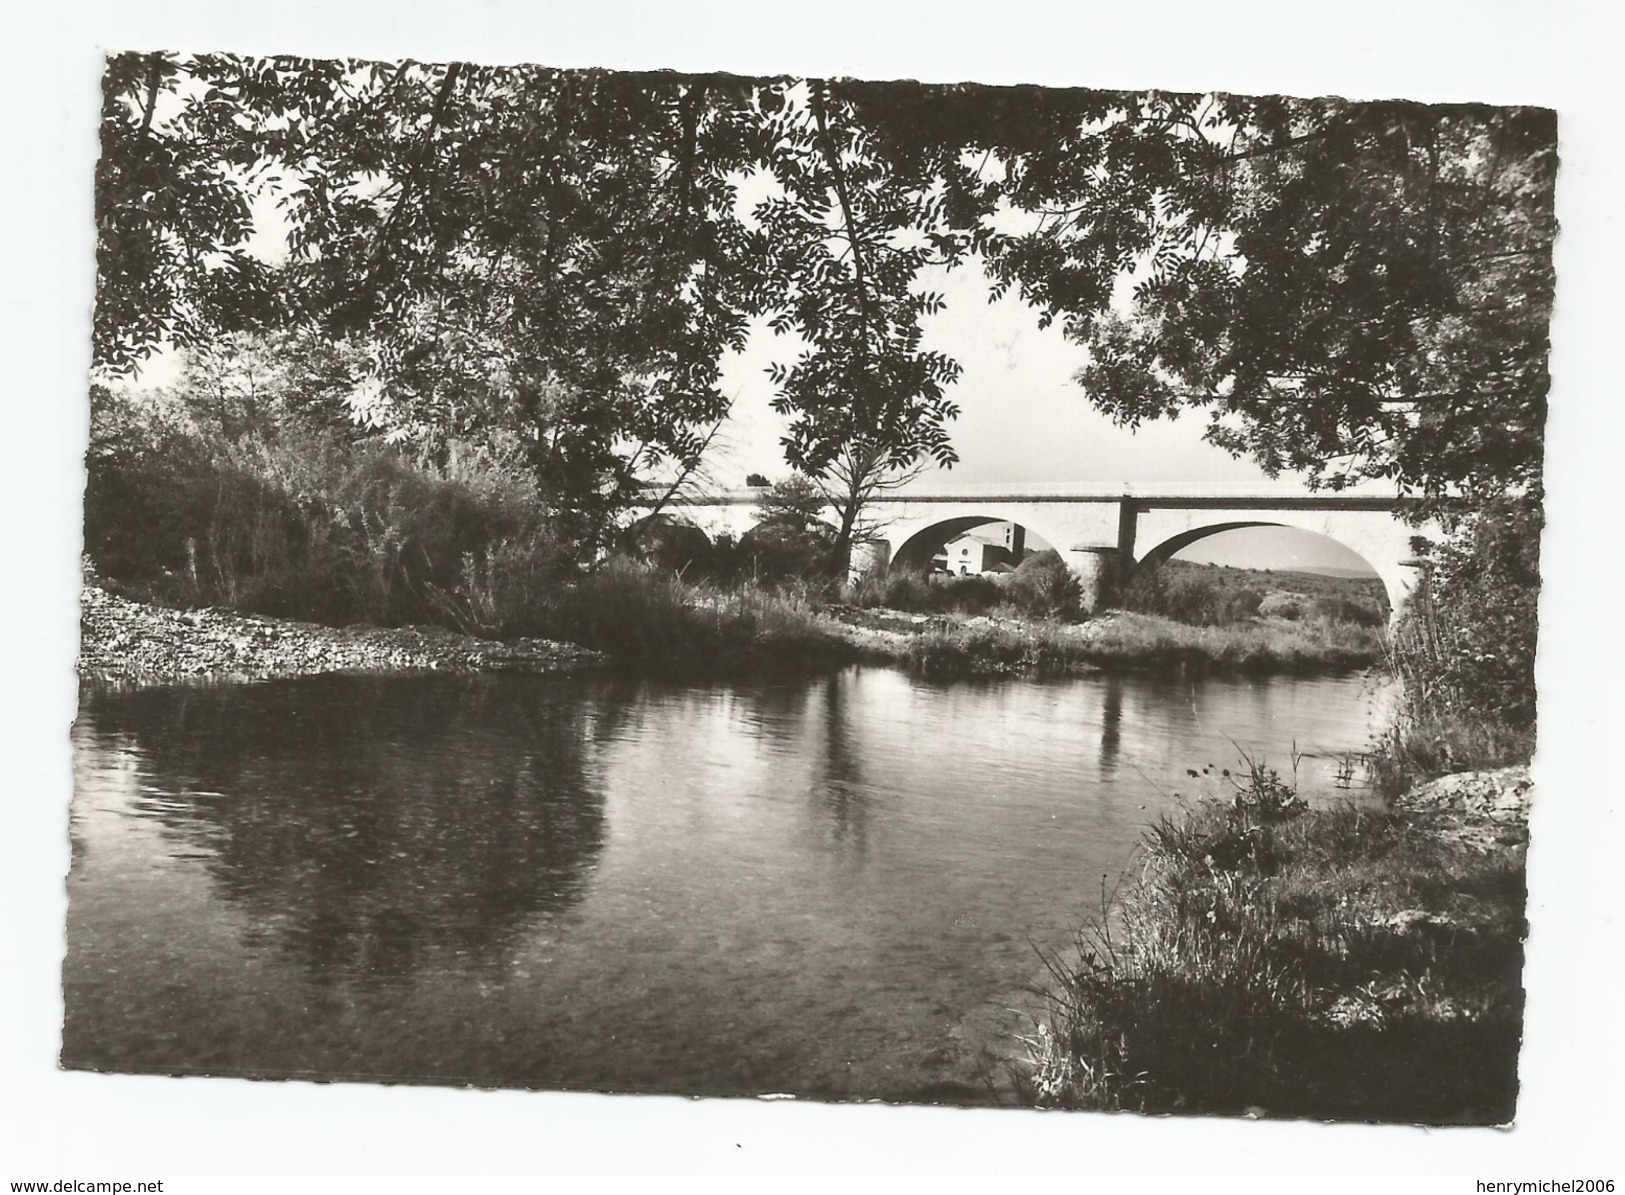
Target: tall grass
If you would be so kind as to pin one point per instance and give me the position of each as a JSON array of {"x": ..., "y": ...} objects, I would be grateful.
[
  {"x": 1042, "y": 587},
  {"x": 1188, "y": 596},
  {"x": 1332, "y": 964},
  {"x": 1464, "y": 652},
  {"x": 923, "y": 593},
  {"x": 299, "y": 521},
  {"x": 1440, "y": 724},
  {"x": 1250, "y": 647}
]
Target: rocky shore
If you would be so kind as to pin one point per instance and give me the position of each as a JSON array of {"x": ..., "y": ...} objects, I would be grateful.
[
  {"x": 127, "y": 641},
  {"x": 1486, "y": 810}
]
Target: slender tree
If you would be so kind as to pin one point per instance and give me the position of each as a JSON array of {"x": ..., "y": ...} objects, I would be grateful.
[{"x": 850, "y": 484}]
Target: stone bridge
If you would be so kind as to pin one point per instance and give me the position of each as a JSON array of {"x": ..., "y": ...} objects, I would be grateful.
[{"x": 1103, "y": 532}]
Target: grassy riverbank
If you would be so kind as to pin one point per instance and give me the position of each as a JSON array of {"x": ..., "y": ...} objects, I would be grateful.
[
  {"x": 638, "y": 614},
  {"x": 642, "y": 617},
  {"x": 1341, "y": 963},
  {"x": 1123, "y": 641}
]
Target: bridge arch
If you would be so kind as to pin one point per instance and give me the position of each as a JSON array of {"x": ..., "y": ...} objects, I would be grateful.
[
  {"x": 1379, "y": 539},
  {"x": 1175, "y": 544},
  {"x": 918, "y": 541}
]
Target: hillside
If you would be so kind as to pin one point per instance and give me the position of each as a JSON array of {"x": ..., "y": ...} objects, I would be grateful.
[{"x": 1365, "y": 589}]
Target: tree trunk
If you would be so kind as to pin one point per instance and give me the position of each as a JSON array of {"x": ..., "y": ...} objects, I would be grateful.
[{"x": 840, "y": 553}]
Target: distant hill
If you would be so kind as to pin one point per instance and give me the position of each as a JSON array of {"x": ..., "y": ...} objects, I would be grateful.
[
  {"x": 1331, "y": 583},
  {"x": 1333, "y": 571}
]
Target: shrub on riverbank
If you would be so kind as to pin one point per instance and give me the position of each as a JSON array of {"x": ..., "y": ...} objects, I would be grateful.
[
  {"x": 1186, "y": 595},
  {"x": 1464, "y": 652},
  {"x": 1339, "y": 964},
  {"x": 1042, "y": 587},
  {"x": 637, "y": 613},
  {"x": 926, "y": 593},
  {"x": 293, "y": 519}
]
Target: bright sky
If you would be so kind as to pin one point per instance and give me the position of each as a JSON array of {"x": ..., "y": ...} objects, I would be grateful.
[{"x": 1023, "y": 418}]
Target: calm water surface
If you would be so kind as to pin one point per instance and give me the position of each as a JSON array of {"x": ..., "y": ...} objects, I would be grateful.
[{"x": 831, "y": 886}]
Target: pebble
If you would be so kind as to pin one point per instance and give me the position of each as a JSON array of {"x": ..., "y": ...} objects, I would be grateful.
[{"x": 121, "y": 639}]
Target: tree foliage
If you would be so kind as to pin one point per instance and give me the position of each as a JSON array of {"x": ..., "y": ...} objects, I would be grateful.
[
  {"x": 793, "y": 501},
  {"x": 1466, "y": 642},
  {"x": 1351, "y": 290},
  {"x": 1356, "y": 290}
]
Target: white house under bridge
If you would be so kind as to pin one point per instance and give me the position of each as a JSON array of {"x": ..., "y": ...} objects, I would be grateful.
[{"x": 1103, "y": 532}]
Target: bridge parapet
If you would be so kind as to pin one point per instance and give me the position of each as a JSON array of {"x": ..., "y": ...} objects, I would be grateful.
[{"x": 1080, "y": 492}]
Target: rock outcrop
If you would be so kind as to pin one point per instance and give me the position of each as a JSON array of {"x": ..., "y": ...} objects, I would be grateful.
[{"x": 1485, "y": 809}]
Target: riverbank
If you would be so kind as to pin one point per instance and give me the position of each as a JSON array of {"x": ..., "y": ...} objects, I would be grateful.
[
  {"x": 1342, "y": 963},
  {"x": 1114, "y": 641},
  {"x": 659, "y": 623},
  {"x": 125, "y": 640}
]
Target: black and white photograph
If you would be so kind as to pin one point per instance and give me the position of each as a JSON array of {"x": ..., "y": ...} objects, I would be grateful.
[{"x": 810, "y": 586}]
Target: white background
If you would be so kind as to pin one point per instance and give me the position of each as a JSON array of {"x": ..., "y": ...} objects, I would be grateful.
[{"x": 1561, "y": 55}]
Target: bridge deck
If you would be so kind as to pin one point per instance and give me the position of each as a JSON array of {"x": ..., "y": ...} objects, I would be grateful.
[{"x": 1284, "y": 495}]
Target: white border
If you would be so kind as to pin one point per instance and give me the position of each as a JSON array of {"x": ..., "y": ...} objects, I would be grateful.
[{"x": 1557, "y": 54}]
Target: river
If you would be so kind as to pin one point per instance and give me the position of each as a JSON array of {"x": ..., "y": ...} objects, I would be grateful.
[{"x": 831, "y": 886}]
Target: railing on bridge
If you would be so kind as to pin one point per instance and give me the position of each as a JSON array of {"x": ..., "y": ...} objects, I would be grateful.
[{"x": 1063, "y": 491}]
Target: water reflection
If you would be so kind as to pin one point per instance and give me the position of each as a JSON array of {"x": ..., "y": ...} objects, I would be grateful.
[
  {"x": 815, "y": 884},
  {"x": 1111, "y": 726},
  {"x": 842, "y": 789},
  {"x": 370, "y": 838}
]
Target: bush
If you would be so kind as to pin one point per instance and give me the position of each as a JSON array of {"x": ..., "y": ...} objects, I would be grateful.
[
  {"x": 1464, "y": 650},
  {"x": 1044, "y": 586},
  {"x": 1194, "y": 597},
  {"x": 679, "y": 547},
  {"x": 777, "y": 549},
  {"x": 300, "y": 521},
  {"x": 1289, "y": 606},
  {"x": 927, "y": 593}
]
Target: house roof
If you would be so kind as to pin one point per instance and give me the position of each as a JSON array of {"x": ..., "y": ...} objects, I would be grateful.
[{"x": 992, "y": 541}]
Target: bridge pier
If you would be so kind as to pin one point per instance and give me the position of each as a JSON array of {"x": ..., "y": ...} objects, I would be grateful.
[
  {"x": 870, "y": 558},
  {"x": 1099, "y": 570}
]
